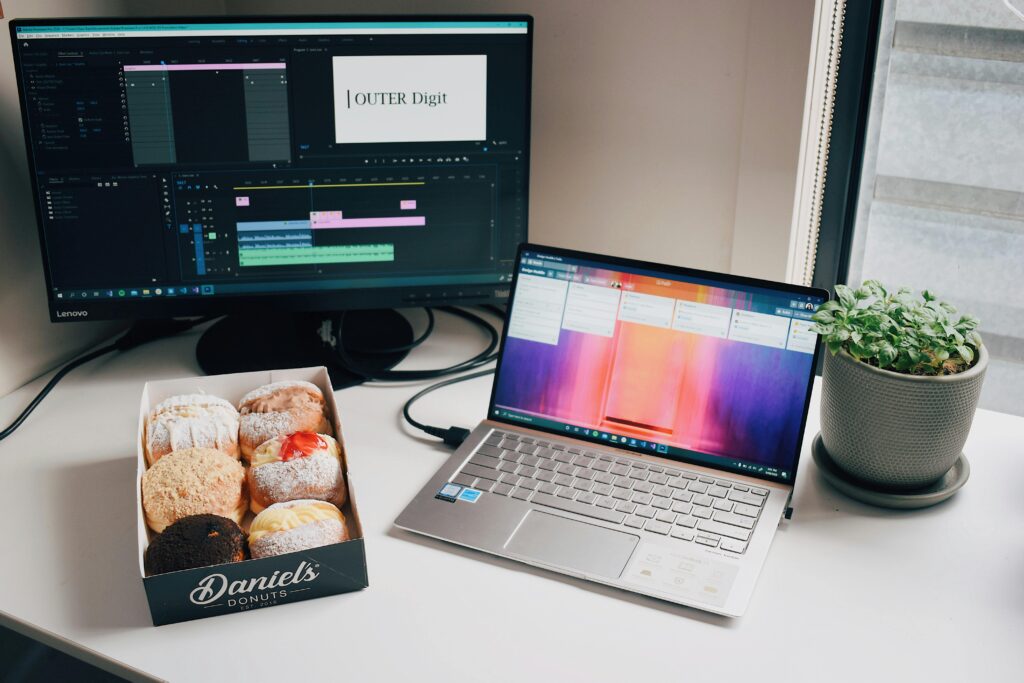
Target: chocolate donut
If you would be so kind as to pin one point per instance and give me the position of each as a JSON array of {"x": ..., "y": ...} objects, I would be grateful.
[{"x": 195, "y": 541}]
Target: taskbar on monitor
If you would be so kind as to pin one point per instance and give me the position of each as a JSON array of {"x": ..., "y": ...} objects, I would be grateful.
[{"x": 643, "y": 446}]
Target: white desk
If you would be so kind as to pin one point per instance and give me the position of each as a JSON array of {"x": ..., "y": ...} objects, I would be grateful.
[{"x": 849, "y": 592}]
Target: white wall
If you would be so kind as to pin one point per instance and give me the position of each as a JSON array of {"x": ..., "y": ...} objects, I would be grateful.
[{"x": 662, "y": 129}]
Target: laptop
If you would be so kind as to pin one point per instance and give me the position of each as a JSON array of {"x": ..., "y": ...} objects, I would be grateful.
[{"x": 644, "y": 428}]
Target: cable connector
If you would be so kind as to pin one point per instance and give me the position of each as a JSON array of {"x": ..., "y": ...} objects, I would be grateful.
[{"x": 453, "y": 436}]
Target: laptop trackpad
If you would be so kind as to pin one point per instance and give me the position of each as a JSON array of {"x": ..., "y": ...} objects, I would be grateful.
[{"x": 577, "y": 546}]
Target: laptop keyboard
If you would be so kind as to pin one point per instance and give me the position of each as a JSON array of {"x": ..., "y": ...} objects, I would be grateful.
[{"x": 669, "y": 501}]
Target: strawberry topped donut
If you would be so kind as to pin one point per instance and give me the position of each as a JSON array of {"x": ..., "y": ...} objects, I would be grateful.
[
  {"x": 299, "y": 466},
  {"x": 279, "y": 409}
]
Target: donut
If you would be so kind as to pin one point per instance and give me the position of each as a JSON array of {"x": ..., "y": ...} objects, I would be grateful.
[
  {"x": 193, "y": 481},
  {"x": 279, "y": 409},
  {"x": 195, "y": 541},
  {"x": 191, "y": 421},
  {"x": 303, "y": 465},
  {"x": 296, "y": 525}
]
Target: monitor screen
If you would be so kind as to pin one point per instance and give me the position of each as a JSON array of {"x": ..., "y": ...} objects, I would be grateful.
[
  {"x": 202, "y": 165},
  {"x": 705, "y": 368}
]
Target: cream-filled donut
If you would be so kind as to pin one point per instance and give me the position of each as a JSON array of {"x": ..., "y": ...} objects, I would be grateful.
[
  {"x": 191, "y": 421},
  {"x": 296, "y": 525},
  {"x": 303, "y": 465},
  {"x": 279, "y": 409}
]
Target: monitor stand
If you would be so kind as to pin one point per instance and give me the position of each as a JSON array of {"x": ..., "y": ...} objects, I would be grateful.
[{"x": 240, "y": 343}]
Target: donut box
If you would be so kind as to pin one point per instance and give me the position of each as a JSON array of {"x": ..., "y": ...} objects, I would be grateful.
[{"x": 251, "y": 583}]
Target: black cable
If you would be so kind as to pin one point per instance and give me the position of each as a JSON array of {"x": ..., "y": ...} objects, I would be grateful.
[
  {"x": 482, "y": 358},
  {"x": 137, "y": 334},
  {"x": 396, "y": 349},
  {"x": 453, "y": 436}
]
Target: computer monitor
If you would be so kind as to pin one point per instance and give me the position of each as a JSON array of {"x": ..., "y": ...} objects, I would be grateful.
[{"x": 262, "y": 166}]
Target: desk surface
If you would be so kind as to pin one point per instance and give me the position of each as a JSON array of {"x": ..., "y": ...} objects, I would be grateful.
[{"x": 848, "y": 592}]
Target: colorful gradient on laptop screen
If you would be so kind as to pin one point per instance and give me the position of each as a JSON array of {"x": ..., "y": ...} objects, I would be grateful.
[{"x": 701, "y": 370}]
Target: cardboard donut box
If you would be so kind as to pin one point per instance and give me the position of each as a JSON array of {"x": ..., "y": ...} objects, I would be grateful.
[{"x": 242, "y": 586}]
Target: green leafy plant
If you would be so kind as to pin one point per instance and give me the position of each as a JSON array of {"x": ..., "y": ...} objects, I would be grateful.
[{"x": 898, "y": 331}]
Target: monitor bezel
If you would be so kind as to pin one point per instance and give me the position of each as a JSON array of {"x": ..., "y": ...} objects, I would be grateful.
[
  {"x": 726, "y": 280},
  {"x": 311, "y": 300}
]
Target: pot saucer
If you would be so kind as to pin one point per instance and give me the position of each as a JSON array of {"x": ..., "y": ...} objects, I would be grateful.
[{"x": 946, "y": 486}]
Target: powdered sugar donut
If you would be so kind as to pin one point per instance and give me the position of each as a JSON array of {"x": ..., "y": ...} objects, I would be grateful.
[
  {"x": 296, "y": 525},
  {"x": 191, "y": 421},
  {"x": 299, "y": 466},
  {"x": 278, "y": 409}
]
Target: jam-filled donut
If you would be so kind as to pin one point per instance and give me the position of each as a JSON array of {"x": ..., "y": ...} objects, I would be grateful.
[
  {"x": 196, "y": 541},
  {"x": 193, "y": 481},
  {"x": 296, "y": 525},
  {"x": 191, "y": 421},
  {"x": 279, "y": 409},
  {"x": 303, "y": 465}
]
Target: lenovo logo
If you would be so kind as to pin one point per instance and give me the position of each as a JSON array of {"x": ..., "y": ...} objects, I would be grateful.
[{"x": 72, "y": 314}]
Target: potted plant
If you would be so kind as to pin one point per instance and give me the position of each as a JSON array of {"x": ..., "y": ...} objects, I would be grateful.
[{"x": 900, "y": 384}]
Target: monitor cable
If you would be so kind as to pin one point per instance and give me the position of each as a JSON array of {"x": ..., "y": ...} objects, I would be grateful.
[
  {"x": 452, "y": 436},
  {"x": 137, "y": 334}
]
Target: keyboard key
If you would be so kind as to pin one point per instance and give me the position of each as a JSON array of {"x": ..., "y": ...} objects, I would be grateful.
[
  {"x": 543, "y": 444},
  {"x": 711, "y": 541},
  {"x": 464, "y": 480},
  {"x": 522, "y": 494},
  {"x": 606, "y": 457},
  {"x": 639, "y": 475},
  {"x": 547, "y": 465},
  {"x": 718, "y": 492},
  {"x": 586, "y": 497},
  {"x": 545, "y": 476},
  {"x": 619, "y": 470},
  {"x": 684, "y": 496},
  {"x": 643, "y": 487},
  {"x": 507, "y": 478},
  {"x": 485, "y": 461},
  {"x": 527, "y": 471},
  {"x": 529, "y": 460},
  {"x": 489, "y": 451},
  {"x": 527, "y": 448},
  {"x": 582, "y": 484},
  {"x": 604, "y": 477},
  {"x": 646, "y": 511},
  {"x": 758, "y": 491},
  {"x": 547, "y": 488},
  {"x": 677, "y": 482},
  {"x": 656, "y": 527},
  {"x": 542, "y": 452},
  {"x": 746, "y": 498},
  {"x": 566, "y": 492},
  {"x": 583, "y": 461},
  {"x": 484, "y": 484},
  {"x": 688, "y": 475},
  {"x": 723, "y": 505},
  {"x": 707, "y": 480},
  {"x": 557, "y": 447},
  {"x": 642, "y": 498},
  {"x": 734, "y": 519},
  {"x": 683, "y": 533},
  {"x": 639, "y": 465},
  {"x": 621, "y": 494},
  {"x": 529, "y": 484},
  {"x": 723, "y": 483},
  {"x": 666, "y": 516},
  {"x": 663, "y": 491},
  {"x": 697, "y": 488},
  {"x": 681, "y": 507},
  {"x": 502, "y": 489},
  {"x": 623, "y": 482},
  {"x": 659, "y": 479},
  {"x": 601, "y": 466},
  {"x": 593, "y": 455},
  {"x": 566, "y": 468},
  {"x": 602, "y": 489},
  {"x": 703, "y": 513},
  {"x": 746, "y": 510},
  {"x": 585, "y": 474},
  {"x": 509, "y": 443},
  {"x": 563, "y": 457},
  {"x": 606, "y": 502},
  {"x": 661, "y": 503},
  {"x": 626, "y": 506},
  {"x": 482, "y": 472},
  {"x": 635, "y": 522},
  {"x": 732, "y": 546},
  {"x": 703, "y": 501},
  {"x": 579, "y": 508},
  {"x": 741, "y": 487},
  {"x": 527, "y": 439},
  {"x": 723, "y": 529},
  {"x": 688, "y": 522},
  {"x": 493, "y": 439},
  {"x": 656, "y": 468},
  {"x": 576, "y": 450},
  {"x": 511, "y": 456},
  {"x": 507, "y": 467},
  {"x": 563, "y": 480}
]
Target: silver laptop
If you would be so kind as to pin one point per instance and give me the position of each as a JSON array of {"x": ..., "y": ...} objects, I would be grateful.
[{"x": 643, "y": 432}]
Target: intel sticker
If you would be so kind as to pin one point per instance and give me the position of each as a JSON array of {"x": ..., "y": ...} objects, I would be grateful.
[
  {"x": 449, "y": 492},
  {"x": 470, "y": 495}
]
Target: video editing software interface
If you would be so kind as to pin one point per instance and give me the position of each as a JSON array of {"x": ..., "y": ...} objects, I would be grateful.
[
  {"x": 225, "y": 159},
  {"x": 681, "y": 367}
]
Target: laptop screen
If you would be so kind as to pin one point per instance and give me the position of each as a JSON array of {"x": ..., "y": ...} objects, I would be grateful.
[{"x": 704, "y": 368}]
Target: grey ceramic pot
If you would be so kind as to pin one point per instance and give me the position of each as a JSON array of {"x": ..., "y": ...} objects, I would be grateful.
[{"x": 895, "y": 431}]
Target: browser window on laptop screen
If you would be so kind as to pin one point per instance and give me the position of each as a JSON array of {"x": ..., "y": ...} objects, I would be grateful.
[{"x": 709, "y": 371}]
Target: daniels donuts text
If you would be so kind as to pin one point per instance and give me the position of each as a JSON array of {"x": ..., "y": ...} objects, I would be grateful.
[{"x": 215, "y": 586}]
